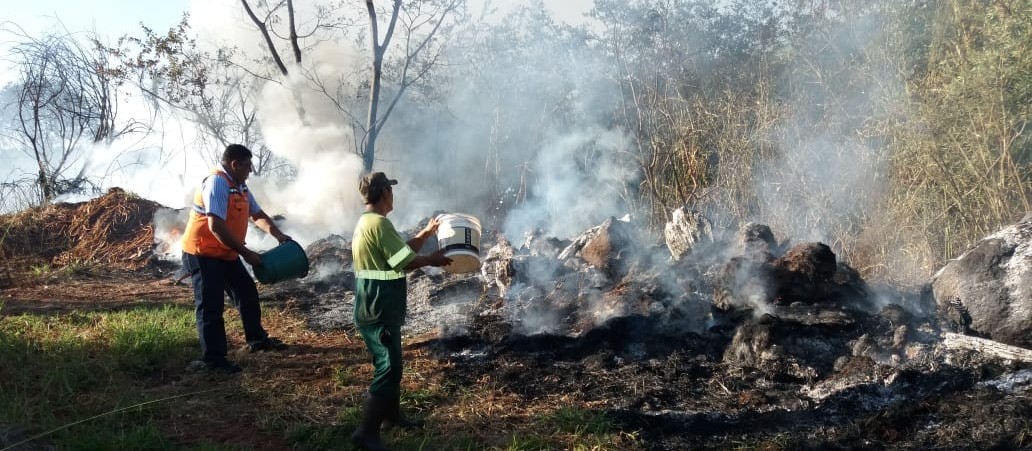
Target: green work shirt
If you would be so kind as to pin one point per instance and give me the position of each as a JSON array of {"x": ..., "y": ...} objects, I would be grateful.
[{"x": 380, "y": 256}]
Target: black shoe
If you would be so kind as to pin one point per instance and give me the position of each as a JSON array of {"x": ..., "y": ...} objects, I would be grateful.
[
  {"x": 401, "y": 421},
  {"x": 367, "y": 443},
  {"x": 367, "y": 435},
  {"x": 395, "y": 418},
  {"x": 267, "y": 344},
  {"x": 219, "y": 366}
]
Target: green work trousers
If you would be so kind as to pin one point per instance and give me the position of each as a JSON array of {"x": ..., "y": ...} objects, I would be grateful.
[{"x": 384, "y": 343}]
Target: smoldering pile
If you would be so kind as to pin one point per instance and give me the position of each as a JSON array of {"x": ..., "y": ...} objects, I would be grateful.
[
  {"x": 700, "y": 337},
  {"x": 326, "y": 295},
  {"x": 793, "y": 312}
]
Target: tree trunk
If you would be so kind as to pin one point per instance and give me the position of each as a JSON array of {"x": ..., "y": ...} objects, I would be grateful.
[
  {"x": 372, "y": 129},
  {"x": 45, "y": 188},
  {"x": 1001, "y": 350},
  {"x": 373, "y": 122}
]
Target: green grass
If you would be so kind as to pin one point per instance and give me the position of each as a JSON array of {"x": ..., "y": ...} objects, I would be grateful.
[
  {"x": 41, "y": 270},
  {"x": 571, "y": 420},
  {"x": 116, "y": 380},
  {"x": 350, "y": 413},
  {"x": 422, "y": 399},
  {"x": 316, "y": 438},
  {"x": 343, "y": 376},
  {"x": 527, "y": 444},
  {"x": 585, "y": 429},
  {"x": 62, "y": 369},
  {"x": 77, "y": 267},
  {"x": 141, "y": 343}
]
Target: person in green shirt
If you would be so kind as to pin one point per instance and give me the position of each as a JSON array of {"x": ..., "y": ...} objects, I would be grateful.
[{"x": 381, "y": 257}]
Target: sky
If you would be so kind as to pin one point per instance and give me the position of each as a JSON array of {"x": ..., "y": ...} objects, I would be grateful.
[
  {"x": 114, "y": 15},
  {"x": 110, "y": 18},
  {"x": 117, "y": 17},
  {"x": 114, "y": 18}
]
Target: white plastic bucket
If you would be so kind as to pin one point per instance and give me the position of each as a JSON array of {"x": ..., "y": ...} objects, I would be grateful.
[{"x": 459, "y": 236}]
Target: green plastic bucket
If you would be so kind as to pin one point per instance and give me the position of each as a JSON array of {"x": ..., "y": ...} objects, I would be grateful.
[{"x": 286, "y": 261}]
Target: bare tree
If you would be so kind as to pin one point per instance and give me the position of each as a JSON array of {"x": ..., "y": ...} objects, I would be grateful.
[
  {"x": 265, "y": 26},
  {"x": 420, "y": 23},
  {"x": 64, "y": 100},
  {"x": 216, "y": 95},
  {"x": 416, "y": 61}
]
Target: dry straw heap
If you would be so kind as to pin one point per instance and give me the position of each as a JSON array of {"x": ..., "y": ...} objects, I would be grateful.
[{"x": 114, "y": 231}]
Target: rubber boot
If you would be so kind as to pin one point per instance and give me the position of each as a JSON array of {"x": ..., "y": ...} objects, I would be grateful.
[
  {"x": 367, "y": 436},
  {"x": 397, "y": 419}
]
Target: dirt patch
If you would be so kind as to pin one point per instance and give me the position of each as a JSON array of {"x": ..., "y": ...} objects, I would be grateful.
[{"x": 94, "y": 289}]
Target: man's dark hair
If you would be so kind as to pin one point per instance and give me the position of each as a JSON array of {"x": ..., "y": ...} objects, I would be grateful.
[
  {"x": 235, "y": 152},
  {"x": 373, "y": 185}
]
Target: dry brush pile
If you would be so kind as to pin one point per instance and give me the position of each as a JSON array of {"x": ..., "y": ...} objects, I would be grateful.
[{"x": 113, "y": 231}]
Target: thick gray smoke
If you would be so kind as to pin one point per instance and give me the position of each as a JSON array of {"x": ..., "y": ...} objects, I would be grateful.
[
  {"x": 580, "y": 181},
  {"x": 322, "y": 199},
  {"x": 502, "y": 125},
  {"x": 842, "y": 93},
  {"x": 524, "y": 141}
]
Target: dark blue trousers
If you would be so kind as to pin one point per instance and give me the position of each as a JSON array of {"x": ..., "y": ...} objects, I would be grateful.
[{"x": 212, "y": 279}]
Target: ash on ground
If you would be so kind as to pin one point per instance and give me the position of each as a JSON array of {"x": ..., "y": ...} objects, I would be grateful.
[{"x": 710, "y": 340}]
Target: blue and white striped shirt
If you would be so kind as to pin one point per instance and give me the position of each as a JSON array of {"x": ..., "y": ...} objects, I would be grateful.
[{"x": 215, "y": 194}]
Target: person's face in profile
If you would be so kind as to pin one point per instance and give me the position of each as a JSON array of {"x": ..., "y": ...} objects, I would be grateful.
[
  {"x": 388, "y": 197},
  {"x": 240, "y": 169}
]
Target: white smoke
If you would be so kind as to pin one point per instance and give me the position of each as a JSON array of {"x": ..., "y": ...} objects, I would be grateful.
[
  {"x": 575, "y": 175},
  {"x": 581, "y": 179},
  {"x": 169, "y": 226},
  {"x": 322, "y": 198},
  {"x": 833, "y": 157}
]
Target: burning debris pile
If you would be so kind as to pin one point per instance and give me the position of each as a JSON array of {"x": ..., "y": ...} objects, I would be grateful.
[
  {"x": 716, "y": 338},
  {"x": 808, "y": 273},
  {"x": 114, "y": 231}
]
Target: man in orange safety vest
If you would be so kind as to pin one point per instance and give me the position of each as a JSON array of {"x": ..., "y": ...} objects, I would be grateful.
[{"x": 212, "y": 246}]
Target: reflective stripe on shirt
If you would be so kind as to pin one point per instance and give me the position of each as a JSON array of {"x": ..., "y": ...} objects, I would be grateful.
[
  {"x": 373, "y": 274},
  {"x": 399, "y": 257}
]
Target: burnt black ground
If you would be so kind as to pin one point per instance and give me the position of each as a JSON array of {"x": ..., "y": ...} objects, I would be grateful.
[
  {"x": 675, "y": 392},
  {"x": 818, "y": 376}
]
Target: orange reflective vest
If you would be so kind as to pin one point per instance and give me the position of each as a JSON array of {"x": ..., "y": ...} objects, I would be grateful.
[{"x": 198, "y": 238}]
